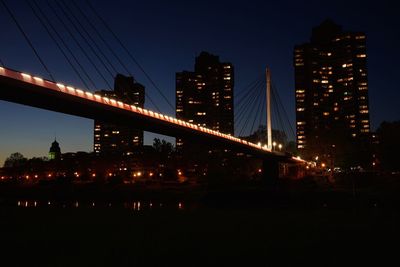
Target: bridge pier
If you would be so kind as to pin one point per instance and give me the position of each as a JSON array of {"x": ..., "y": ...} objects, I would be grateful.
[{"x": 270, "y": 171}]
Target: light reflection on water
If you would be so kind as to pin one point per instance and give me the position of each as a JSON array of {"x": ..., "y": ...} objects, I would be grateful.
[{"x": 132, "y": 205}]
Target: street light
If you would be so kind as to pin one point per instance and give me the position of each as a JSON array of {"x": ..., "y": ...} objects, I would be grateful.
[
  {"x": 280, "y": 147},
  {"x": 274, "y": 145}
]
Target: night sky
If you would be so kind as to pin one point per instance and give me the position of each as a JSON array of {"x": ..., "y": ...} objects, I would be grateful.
[{"x": 166, "y": 36}]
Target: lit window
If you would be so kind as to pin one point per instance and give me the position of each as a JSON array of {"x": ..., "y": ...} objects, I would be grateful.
[
  {"x": 300, "y": 109},
  {"x": 301, "y": 122},
  {"x": 361, "y": 55}
]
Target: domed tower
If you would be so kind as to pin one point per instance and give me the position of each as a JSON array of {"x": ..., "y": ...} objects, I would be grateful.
[{"x": 55, "y": 151}]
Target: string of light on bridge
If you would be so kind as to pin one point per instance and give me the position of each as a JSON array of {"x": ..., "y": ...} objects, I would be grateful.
[{"x": 118, "y": 104}]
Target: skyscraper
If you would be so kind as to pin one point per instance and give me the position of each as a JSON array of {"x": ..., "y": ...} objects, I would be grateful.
[
  {"x": 120, "y": 140},
  {"x": 205, "y": 96},
  {"x": 332, "y": 111}
]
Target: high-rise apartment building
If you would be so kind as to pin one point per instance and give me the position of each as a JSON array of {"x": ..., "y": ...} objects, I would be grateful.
[
  {"x": 120, "y": 140},
  {"x": 205, "y": 96},
  {"x": 332, "y": 111}
]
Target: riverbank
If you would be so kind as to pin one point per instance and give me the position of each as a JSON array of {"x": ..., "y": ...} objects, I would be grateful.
[
  {"x": 347, "y": 191},
  {"x": 292, "y": 222}
]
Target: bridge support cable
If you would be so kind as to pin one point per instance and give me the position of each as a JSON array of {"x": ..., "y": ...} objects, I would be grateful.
[
  {"x": 243, "y": 102},
  {"x": 285, "y": 114},
  {"x": 263, "y": 111},
  {"x": 42, "y": 22},
  {"x": 96, "y": 46},
  {"x": 251, "y": 110},
  {"x": 94, "y": 28},
  {"x": 58, "y": 16},
  {"x": 129, "y": 54},
  {"x": 243, "y": 109},
  {"x": 48, "y": 21},
  {"x": 245, "y": 112},
  {"x": 27, "y": 39},
  {"x": 278, "y": 117},
  {"x": 244, "y": 105},
  {"x": 239, "y": 102},
  {"x": 258, "y": 112},
  {"x": 246, "y": 89},
  {"x": 75, "y": 26}
]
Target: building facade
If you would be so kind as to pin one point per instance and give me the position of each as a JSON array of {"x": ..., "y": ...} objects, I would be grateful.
[
  {"x": 120, "y": 140},
  {"x": 331, "y": 83},
  {"x": 205, "y": 96}
]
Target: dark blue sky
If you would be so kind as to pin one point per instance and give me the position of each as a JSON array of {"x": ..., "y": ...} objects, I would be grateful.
[{"x": 165, "y": 37}]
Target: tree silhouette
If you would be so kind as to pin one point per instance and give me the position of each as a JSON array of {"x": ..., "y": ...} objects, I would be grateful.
[{"x": 15, "y": 160}]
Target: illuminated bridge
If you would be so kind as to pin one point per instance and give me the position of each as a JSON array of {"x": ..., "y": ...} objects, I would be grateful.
[{"x": 37, "y": 92}]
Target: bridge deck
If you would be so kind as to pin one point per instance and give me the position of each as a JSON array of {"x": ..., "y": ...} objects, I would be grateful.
[{"x": 34, "y": 91}]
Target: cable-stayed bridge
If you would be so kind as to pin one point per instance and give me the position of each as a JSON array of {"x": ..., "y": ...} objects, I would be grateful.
[{"x": 27, "y": 89}]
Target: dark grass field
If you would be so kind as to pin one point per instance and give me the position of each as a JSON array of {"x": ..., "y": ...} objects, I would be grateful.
[
  {"x": 214, "y": 236},
  {"x": 251, "y": 228}
]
